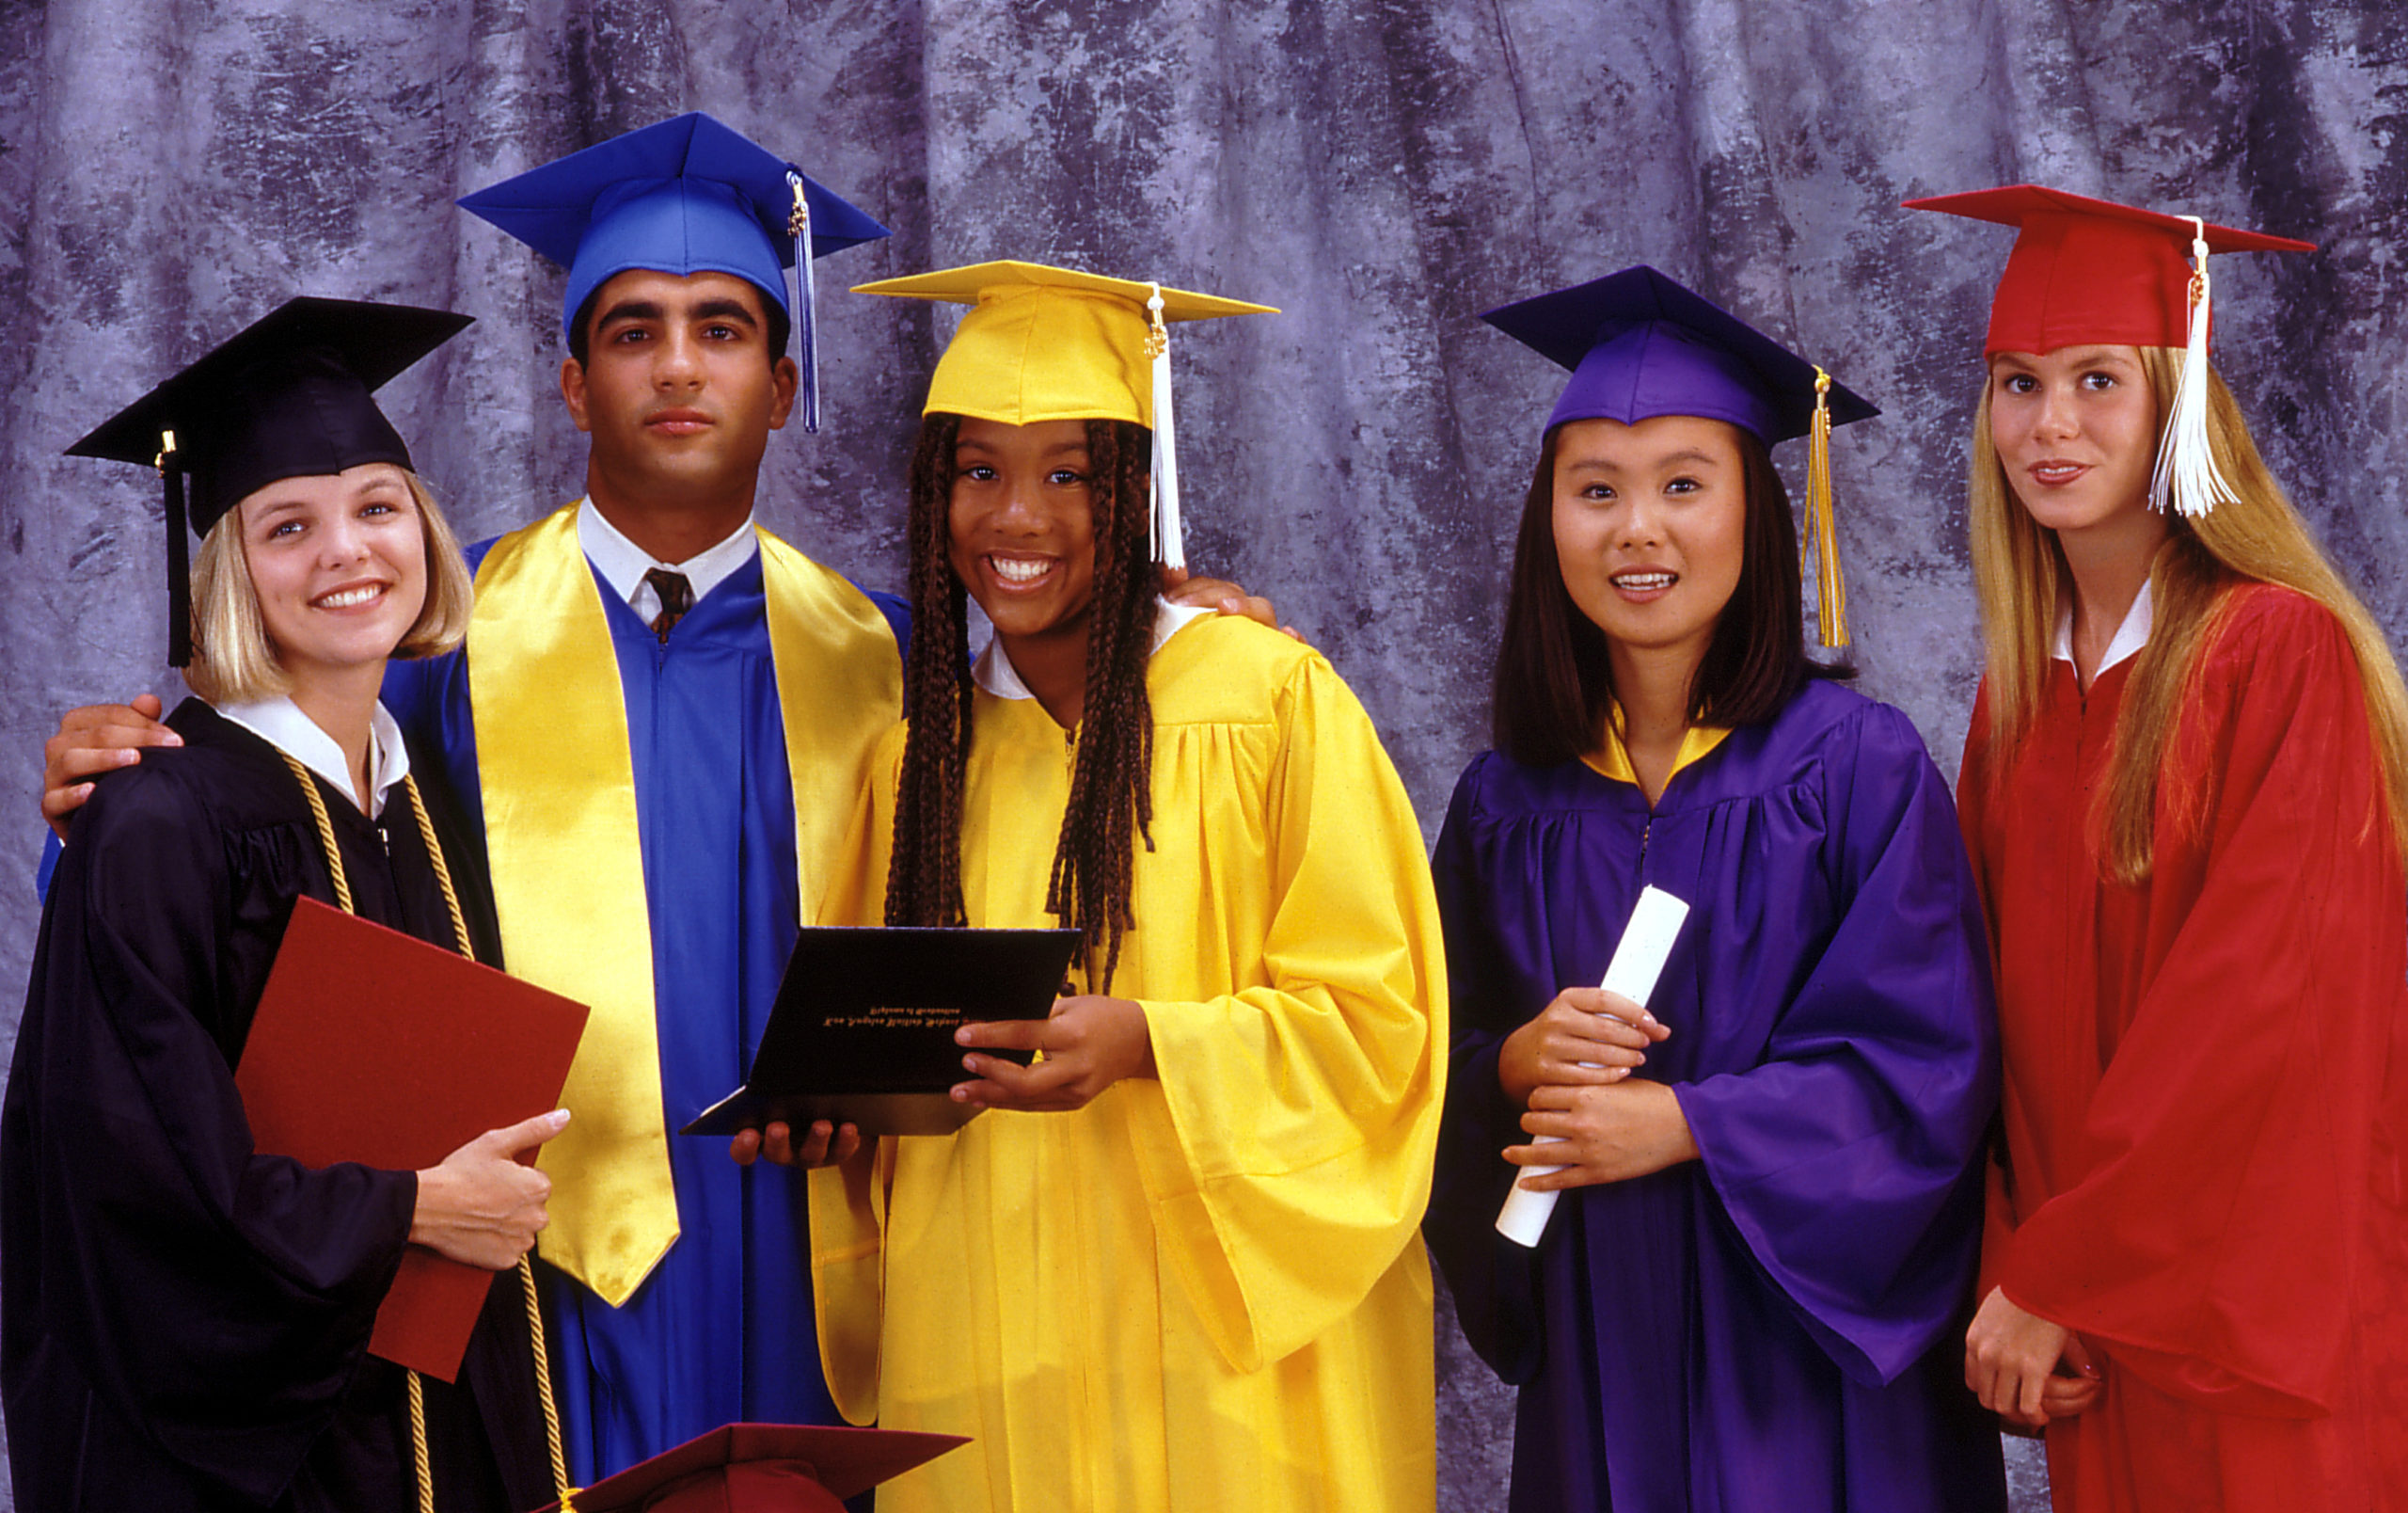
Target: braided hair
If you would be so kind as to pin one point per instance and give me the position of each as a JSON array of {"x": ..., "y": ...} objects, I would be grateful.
[{"x": 1111, "y": 803}]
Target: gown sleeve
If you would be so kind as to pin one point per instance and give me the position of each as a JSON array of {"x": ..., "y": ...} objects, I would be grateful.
[
  {"x": 1287, "y": 1156},
  {"x": 174, "y": 1260},
  {"x": 2212, "y": 1237},
  {"x": 847, "y": 1201},
  {"x": 1847, "y": 1157},
  {"x": 1493, "y": 1281}
]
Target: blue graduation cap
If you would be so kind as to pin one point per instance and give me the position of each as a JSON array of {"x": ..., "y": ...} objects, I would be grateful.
[
  {"x": 1640, "y": 346},
  {"x": 683, "y": 197}
]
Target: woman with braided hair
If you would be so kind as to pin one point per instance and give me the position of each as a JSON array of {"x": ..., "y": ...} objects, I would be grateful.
[
  {"x": 186, "y": 1319},
  {"x": 1174, "y": 1266}
]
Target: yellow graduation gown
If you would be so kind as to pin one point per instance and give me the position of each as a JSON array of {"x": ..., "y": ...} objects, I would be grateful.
[{"x": 1207, "y": 1290}]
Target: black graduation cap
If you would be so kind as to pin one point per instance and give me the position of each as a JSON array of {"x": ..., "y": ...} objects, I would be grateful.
[{"x": 287, "y": 397}]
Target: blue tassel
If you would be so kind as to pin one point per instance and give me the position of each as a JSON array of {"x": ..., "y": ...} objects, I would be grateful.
[{"x": 806, "y": 302}]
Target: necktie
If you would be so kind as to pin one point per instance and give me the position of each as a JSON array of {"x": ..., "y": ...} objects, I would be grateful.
[{"x": 676, "y": 597}]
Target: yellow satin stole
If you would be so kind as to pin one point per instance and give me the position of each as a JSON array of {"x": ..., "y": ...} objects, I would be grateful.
[{"x": 560, "y": 808}]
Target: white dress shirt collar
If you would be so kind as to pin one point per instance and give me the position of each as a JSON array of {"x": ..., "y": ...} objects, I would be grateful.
[
  {"x": 997, "y": 676},
  {"x": 2129, "y": 637},
  {"x": 622, "y": 563},
  {"x": 280, "y": 722}
]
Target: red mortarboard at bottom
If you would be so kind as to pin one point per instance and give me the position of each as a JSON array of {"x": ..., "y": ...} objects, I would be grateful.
[
  {"x": 2088, "y": 270},
  {"x": 763, "y": 1468}
]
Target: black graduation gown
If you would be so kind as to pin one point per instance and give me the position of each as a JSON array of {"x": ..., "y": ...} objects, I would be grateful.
[{"x": 184, "y": 1322}]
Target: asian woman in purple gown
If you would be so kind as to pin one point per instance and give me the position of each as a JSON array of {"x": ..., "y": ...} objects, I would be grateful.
[{"x": 1749, "y": 1293}]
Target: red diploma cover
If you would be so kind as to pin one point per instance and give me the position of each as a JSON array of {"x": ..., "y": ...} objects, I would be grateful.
[{"x": 372, "y": 1046}]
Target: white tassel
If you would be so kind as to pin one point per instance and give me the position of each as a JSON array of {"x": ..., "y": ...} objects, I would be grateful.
[
  {"x": 1169, "y": 550},
  {"x": 2185, "y": 476}
]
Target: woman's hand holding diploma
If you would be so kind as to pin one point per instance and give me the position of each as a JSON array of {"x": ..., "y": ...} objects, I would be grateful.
[
  {"x": 1587, "y": 1037},
  {"x": 1089, "y": 1043},
  {"x": 481, "y": 1206},
  {"x": 1655, "y": 923},
  {"x": 1601, "y": 1134}
]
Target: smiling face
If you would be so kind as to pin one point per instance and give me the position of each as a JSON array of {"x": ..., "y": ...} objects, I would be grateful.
[
  {"x": 680, "y": 390},
  {"x": 2076, "y": 433},
  {"x": 1023, "y": 519},
  {"x": 338, "y": 562},
  {"x": 1651, "y": 528}
]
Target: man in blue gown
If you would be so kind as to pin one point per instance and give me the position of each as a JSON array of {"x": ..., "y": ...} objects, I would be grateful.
[{"x": 680, "y": 1292}]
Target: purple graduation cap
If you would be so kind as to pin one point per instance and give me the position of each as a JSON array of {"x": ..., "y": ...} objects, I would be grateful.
[
  {"x": 683, "y": 197},
  {"x": 288, "y": 396},
  {"x": 1639, "y": 345}
]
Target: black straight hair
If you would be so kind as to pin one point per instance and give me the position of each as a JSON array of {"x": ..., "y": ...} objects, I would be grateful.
[{"x": 1554, "y": 681}]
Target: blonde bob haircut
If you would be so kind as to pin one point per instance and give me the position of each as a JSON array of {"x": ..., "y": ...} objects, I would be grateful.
[
  {"x": 2024, "y": 585},
  {"x": 232, "y": 661}
]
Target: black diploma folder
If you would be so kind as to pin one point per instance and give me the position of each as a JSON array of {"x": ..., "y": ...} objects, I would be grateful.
[{"x": 863, "y": 1028}]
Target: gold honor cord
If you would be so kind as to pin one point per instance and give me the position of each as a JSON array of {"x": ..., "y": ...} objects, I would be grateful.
[{"x": 419, "y": 1459}]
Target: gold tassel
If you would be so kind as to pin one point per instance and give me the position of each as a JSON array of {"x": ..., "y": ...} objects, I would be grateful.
[{"x": 1820, "y": 529}]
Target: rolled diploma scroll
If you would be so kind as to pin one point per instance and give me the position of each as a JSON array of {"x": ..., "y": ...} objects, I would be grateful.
[{"x": 1655, "y": 922}]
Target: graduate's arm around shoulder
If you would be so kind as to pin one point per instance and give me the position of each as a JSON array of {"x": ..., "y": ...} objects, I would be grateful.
[{"x": 93, "y": 740}]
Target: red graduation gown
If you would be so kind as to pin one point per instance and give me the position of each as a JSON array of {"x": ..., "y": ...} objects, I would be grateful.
[{"x": 2205, "y": 1085}]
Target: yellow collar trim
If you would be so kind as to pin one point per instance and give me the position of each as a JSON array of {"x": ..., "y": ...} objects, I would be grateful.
[{"x": 1614, "y": 760}]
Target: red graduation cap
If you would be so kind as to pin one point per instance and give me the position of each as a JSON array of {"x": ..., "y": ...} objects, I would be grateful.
[
  {"x": 2088, "y": 270},
  {"x": 762, "y": 1468}
]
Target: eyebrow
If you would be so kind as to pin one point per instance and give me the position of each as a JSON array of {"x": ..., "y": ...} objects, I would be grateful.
[
  {"x": 629, "y": 309},
  {"x": 715, "y": 310},
  {"x": 1687, "y": 455}
]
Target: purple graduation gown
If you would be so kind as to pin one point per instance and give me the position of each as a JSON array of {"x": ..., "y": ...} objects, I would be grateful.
[{"x": 1777, "y": 1325}]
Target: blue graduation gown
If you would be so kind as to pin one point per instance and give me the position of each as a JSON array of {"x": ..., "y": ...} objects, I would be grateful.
[
  {"x": 1775, "y": 1326},
  {"x": 721, "y": 1330}
]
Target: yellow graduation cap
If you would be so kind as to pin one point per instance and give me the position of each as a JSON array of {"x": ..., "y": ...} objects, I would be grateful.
[{"x": 1043, "y": 343}]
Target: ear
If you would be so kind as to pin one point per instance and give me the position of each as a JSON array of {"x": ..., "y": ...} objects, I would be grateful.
[
  {"x": 784, "y": 377},
  {"x": 573, "y": 391}
]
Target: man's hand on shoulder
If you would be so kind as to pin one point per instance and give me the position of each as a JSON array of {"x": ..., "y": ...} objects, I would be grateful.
[
  {"x": 1188, "y": 591},
  {"x": 93, "y": 740}
]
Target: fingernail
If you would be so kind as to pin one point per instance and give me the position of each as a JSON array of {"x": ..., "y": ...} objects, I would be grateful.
[{"x": 559, "y": 1118}]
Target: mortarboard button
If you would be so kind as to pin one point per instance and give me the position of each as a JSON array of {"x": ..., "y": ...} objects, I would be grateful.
[
  {"x": 681, "y": 196},
  {"x": 762, "y": 1468},
  {"x": 289, "y": 396},
  {"x": 1044, "y": 344}
]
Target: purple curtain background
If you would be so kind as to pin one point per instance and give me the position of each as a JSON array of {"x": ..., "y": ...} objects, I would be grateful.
[{"x": 1381, "y": 170}]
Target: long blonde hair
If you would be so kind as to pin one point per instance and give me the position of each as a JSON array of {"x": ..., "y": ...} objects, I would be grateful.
[{"x": 2024, "y": 585}]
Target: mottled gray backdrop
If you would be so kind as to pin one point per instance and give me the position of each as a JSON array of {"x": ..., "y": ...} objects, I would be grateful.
[{"x": 1381, "y": 170}]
